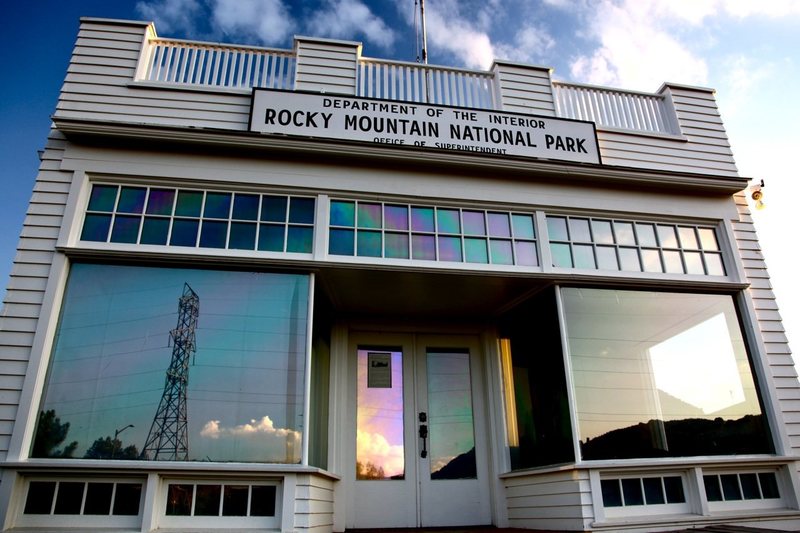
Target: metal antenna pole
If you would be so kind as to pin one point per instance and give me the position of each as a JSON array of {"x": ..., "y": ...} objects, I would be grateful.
[
  {"x": 424, "y": 32},
  {"x": 425, "y": 50},
  {"x": 168, "y": 438}
]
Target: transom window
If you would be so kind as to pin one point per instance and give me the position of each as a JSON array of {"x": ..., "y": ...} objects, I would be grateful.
[
  {"x": 735, "y": 486},
  {"x": 221, "y": 504},
  {"x": 199, "y": 218},
  {"x": 73, "y": 497},
  {"x": 633, "y": 246},
  {"x": 428, "y": 233},
  {"x": 644, "y": 491},
  {"x": 229, "y": 499}
]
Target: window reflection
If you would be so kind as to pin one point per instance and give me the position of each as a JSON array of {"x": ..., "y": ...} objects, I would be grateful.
[
  {"x": 379, "y": 440},
  {"x": 244, "y": 398},
  {"x": 452, "y": 438},
  {"x": 661, "y": 374},
  {"x": 534, "y": 384}
]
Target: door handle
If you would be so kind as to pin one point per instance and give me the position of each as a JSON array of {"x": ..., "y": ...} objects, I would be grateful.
[{"x": 423, "y": 433}]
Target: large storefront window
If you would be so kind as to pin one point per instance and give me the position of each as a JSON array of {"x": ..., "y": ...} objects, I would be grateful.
[
  {"x": 177, "y": 364},
  {"x": 659, "y": 374}
]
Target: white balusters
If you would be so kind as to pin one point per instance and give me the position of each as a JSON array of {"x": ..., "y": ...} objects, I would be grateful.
[
  {"x": 190, "y": 63},
  {"x": 613, "y": 108},
  {"x": 180, "y": 62},
  {"x": 412, "y": 82}
]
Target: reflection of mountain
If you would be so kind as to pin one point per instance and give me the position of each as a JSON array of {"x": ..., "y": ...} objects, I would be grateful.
[
  {"x": 460, "y": 467},
  {"x": 685, "y": 437},
  {"x": 672, "y": 407}
]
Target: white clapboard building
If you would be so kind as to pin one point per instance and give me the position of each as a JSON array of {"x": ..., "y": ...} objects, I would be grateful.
[{"x": 308, "y": 290}]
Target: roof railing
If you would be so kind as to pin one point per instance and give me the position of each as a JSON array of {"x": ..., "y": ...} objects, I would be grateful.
[
  {"x": 415, "y": 82},
  {"x": 615, "y": 108},
  {"x": 214, "y": 65},
  {"x": 180, "y": 62}
]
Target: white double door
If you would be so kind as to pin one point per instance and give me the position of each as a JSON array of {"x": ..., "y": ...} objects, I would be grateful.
[{"x": 419, "y": 441}]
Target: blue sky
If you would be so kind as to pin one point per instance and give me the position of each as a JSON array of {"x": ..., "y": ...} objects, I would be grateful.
[{"x": 747, "y": 50}]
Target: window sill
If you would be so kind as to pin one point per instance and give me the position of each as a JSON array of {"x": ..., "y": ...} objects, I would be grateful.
[
  {"x": 694, "y": 521},
  {"x": 193, "y": 467},
  {"x": 622, "y": 465}
]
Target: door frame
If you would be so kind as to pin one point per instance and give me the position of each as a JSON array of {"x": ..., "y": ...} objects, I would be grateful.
[{"x": 410, "y": 340}]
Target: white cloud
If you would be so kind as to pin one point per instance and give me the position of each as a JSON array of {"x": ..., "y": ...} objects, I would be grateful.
[
  {"x": 449, "y": 31},
  {"x": 769, "y": 8},
  {"x": 530, "y": 45},
  {"x": 264, "y": 21},
  {"x": 561, "y": 4},
  {"x": 256, "y": 441},
  {"x": 261, "y": 427},
  {"x": 171, "y": 16},
  {"x": 696, "y": 11},
  {"x": 346, "y": 18},
  {"x": 743, "y": 79},
  {"x": 637, "y": 47},
  {"x": 686, "y": 11},
  {"x": 642, "y": 43},
  {"x": 374, "y": 448}
]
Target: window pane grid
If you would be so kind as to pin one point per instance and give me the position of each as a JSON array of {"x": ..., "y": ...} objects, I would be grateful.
[
  {"x": 623, "y": 245},
  {"x": 68, "y": 497},
  {"x": 642, "y": 492},
  {"x": 220, "y": 499},
  {"x": 198, "y": 218},
  {"x": 432, "y": 233},
  {"x": 740, "y": 486}
]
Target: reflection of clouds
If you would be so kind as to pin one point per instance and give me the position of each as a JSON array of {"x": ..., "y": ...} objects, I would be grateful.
[
  {"x": 262, "y": 427},
  {"x": 256, "y": 441},
  {"x": 375, "y": 449}
]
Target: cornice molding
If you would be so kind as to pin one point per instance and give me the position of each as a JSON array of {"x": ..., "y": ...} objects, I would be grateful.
[{"x": 91, "y": 131}]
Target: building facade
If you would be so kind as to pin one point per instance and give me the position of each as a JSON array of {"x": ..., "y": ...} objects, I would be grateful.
[{"x": 308, "y": 290}]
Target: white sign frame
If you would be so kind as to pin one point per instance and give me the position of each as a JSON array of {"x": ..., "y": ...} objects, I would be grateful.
[{"x": 399, "y": 123}]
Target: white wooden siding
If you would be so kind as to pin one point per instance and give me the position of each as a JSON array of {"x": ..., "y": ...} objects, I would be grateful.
[
  {"x": 524, "y": 89},
  {"x": 776, "y": 345},
  {"x": 313, "y": 503},
  {"x": 28, "y": 280},
  {"x": 324, "y": 66},
  {"x": 704, "y": 149},
  {"x": 98, "y": 86},
  {"x": 559, "y": 500}
]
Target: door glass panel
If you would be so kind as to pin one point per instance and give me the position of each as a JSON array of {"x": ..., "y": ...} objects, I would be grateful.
[
  {"x": 452, "y": 438},
  {"x": 379, "y": 419}
]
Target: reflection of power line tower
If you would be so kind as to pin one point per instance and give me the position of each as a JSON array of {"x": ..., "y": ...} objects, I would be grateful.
[{"x": 168, "y": 438}]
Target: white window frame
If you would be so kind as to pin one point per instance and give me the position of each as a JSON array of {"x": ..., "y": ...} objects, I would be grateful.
[
  {"x": 644, "y": 510},
  {"x": 745, "y": 504},
  {"x": 217, "y": 522},
  {"x": 79, "y": 521}
]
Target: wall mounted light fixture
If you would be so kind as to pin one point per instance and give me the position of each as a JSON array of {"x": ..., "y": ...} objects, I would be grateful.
[{"x": 757, "y": 194}]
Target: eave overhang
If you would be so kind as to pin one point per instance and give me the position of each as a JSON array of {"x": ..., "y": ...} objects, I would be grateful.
[{"x": 341, "y": 152}]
